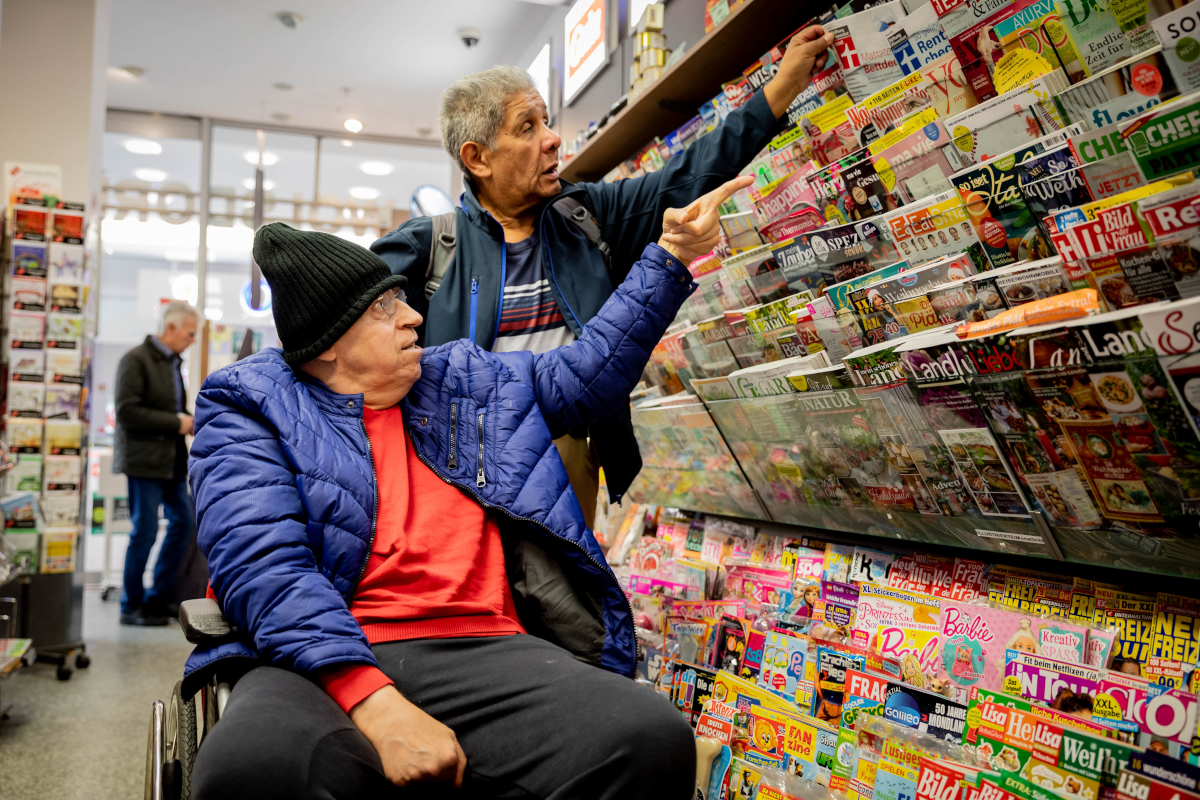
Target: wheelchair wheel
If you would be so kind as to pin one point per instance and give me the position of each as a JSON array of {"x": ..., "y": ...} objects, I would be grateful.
[{"x": 180, "y": 738}]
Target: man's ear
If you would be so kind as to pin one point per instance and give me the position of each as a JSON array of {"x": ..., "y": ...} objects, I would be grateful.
[
  {"x": 328, "y": 356},
  {"x": 476, "y": 158}
]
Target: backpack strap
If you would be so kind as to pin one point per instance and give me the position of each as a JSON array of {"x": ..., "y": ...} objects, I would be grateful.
[
  {"x": 578, "y": 215},
  {"x": 441, "y": 251}
]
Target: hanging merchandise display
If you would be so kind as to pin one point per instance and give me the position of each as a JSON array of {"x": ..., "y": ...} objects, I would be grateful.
[{"x": 47, "y": 357}]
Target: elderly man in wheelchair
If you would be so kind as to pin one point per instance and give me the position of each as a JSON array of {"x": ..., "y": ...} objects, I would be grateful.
[{"x": 403, "y": 590}]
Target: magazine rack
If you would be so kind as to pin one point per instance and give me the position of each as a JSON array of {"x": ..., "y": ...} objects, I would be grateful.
[
  {"x": 47, "y": 355},
  {"x": 752, "y": 458}
]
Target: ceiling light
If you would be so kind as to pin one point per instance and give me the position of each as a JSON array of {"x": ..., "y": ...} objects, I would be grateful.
[
  {"x": 347, "y": 143},
  {"x": 143, "y": 147},
  {"x": 150, "y": 175},
  {"x": 289, "y": 19},
  {"x": 423, "y": 132},
  {"x": 133, "y": 72},
  {"x": 185, "y": 287},
  {"x": 269, "y": 158},
  {"x": 283, "y": 87},
  {"x": 279, "y": 116},
  {"x": 267, "y": 185},
  {"x": 364, "y": 193},
  {"x": 353, "y": 125},
  {"x": 120, "y": 74},
  {"x": 376, "y": 167},
  {"x": 213, "y": 314}
]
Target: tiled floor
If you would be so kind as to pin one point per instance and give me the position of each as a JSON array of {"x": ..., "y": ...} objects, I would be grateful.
[{"x": 86, "y": 738}]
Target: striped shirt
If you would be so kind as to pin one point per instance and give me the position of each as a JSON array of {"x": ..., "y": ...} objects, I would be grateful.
[{"x": 529, "y": 314}]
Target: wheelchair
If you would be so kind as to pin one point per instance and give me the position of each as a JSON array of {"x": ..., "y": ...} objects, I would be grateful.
[{"x": 178, "y": 726}]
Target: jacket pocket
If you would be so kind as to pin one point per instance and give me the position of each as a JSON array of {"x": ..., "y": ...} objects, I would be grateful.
[{"x": 461, "y": 439}]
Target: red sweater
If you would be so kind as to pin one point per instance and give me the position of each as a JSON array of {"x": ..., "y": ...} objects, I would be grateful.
[{"x": 436, "y": 569}]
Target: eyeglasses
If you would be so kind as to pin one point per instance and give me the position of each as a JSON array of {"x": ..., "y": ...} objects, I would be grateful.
[{"x": 385, "y": 305}]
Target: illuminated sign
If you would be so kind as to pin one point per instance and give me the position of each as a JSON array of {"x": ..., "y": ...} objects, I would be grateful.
[
  {"x": 586, "y": 46},
  {"x": 539, "y": 70}
]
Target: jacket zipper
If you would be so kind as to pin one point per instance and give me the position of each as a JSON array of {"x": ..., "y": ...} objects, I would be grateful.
[
  {"x": 374, "y": 507},
  {"x": 452, "y": 462},
  {"x": 604, "y": 569},
  {"x": 480, "y": 480},
  {"x": 475, "y": 306}
]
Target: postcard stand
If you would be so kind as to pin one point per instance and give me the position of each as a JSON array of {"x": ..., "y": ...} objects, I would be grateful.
[{"x": 46, "y": 253}]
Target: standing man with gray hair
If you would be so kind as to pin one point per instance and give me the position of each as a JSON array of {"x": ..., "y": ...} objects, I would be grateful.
[
  {"x": 535, "y": 257},
  {"x": 152, "y": 421}
]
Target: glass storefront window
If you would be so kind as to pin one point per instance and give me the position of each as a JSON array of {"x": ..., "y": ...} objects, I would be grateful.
[
  {"x": 150, "y": 234},
  {"x": 352, "y": 188},
  {"x": 377, "y": 175}
]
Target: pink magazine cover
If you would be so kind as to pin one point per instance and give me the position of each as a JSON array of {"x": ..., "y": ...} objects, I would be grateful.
[
  {"x": 975, "y": 640},
  {"x": 806, "y": 583},
  {"x": 756, "y": 585},
  {"x": 880, "y": 605}
]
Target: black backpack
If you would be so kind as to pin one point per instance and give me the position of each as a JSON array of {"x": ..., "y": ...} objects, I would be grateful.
[{"x": 445, "y": 240}]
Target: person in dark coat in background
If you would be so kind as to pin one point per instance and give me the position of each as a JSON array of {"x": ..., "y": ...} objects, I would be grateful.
[
  {"x": 525, "y": 279},
  {"x": 151, "y": 451}
]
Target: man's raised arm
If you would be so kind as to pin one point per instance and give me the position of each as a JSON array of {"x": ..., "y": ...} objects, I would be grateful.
[
  {"x": 630, "y": 211},
  {"x": 589, "y": 378}
]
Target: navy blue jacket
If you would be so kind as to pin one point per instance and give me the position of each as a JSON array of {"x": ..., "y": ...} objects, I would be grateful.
[
  {"x": 286, "y": 493},
  {"x": 630, "y": 212}
]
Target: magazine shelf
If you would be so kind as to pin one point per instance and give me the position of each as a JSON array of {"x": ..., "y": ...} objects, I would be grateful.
[{"x": 768, "y": 458}]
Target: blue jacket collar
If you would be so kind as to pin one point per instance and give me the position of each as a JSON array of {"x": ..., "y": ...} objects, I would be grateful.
[
  {"x": 479, "y": 216},
  {"x": 341, "y": 405}
]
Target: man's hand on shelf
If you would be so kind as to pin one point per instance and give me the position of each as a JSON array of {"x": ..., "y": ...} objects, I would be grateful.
[
  {"x": 692, "y": 232},
  {"x": 807, "y": 53}
]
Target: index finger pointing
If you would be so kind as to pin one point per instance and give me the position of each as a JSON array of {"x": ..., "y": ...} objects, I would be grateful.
[{"x": 728, "y": 190}]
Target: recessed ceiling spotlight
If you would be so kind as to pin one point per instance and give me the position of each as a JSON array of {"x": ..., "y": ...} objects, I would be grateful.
[
  {"x": 143, "y": 147},
  {"x": 121, "y": 74},
  {"x": 423, "y": 132},
  {"x": 133, "y": 72},
  {"x": 150, "y": 175},
  {"x": 353, "y": 125},
  {"x": 279, "y": 116},
  {"x": 376, "y": 167},
  {"x": 267, "y": 185},
  {"x": 347, "y": 143},
  {"x": 289, "y": 19},
  {"x": 283, "y": 87},
  {"x": 364, "y": 192},
  {"x": 269, "y": 158}
]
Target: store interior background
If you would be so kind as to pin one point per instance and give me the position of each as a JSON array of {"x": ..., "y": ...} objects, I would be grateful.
[
  {"x": 122, "y": 95},
  {"x": 134, "y": 83}
]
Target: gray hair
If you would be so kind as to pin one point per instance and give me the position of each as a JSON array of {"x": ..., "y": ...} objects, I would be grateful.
[
  {"x": 473, "y": 108},
  {"x": 174, "y": 312}
]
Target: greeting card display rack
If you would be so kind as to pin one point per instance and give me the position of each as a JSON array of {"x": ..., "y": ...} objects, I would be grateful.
[{"x": 48, "y": 314}]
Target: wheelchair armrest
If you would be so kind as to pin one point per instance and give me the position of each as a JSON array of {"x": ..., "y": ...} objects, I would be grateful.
[{"x": 203, "y": 622}]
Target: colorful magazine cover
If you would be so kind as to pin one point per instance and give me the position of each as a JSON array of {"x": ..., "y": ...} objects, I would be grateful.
[{"x": 999, "y": 213}]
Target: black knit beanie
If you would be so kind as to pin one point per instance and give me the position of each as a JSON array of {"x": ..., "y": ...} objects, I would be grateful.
[{"x": 320, "y": 286}]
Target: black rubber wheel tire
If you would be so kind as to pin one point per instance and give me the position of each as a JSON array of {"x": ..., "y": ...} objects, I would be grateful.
[
  {"x": 64, "y": 673},
  {"x": 83, "y": 661},
  {"x": 184, "y": 714},
  {"x": 107, "y": 593}
]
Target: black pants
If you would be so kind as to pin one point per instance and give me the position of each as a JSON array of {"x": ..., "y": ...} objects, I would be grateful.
[{"x": 533, "y": 722}]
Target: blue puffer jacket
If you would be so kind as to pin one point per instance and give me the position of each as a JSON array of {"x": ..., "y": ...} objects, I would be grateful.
[{"x": 285, "y": 488}]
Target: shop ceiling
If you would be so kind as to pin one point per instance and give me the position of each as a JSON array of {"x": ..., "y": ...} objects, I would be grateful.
[{"x": 233, "y": 58}]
